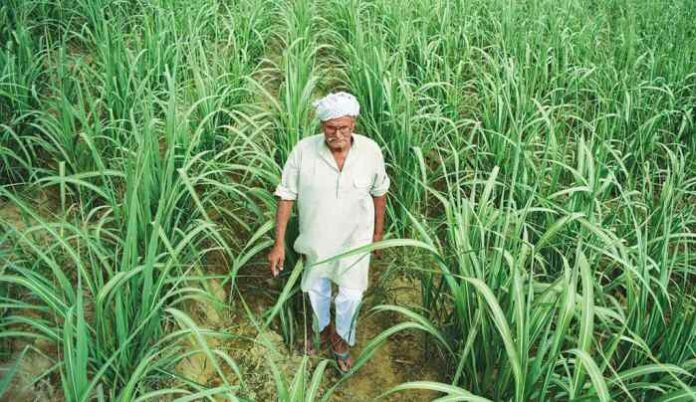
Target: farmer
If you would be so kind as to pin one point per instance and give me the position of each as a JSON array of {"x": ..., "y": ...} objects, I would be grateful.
[{"x": 339, "y": 181}]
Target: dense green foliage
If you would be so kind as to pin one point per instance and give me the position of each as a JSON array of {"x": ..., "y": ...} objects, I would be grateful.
[{"x": 542, "y": 156}]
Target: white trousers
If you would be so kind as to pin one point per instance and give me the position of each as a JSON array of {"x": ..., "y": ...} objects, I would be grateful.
[{"x": 347, "y": 305}]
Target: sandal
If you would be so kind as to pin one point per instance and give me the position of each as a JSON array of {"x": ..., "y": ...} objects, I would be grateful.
[{"x": 341, "y": 357}]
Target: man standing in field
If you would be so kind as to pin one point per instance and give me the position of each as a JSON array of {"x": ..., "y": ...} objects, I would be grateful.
[{"x": 339, "y": 181}]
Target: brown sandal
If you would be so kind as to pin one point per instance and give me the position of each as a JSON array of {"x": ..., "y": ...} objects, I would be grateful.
[{"x": 341, "y": 357}]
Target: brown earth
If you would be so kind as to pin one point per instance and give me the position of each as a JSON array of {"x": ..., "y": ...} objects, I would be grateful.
[{"x": 400, "y": 359}]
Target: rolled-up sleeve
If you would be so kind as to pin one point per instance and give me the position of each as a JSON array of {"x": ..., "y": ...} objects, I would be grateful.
[
  {"x": 289, "y": 181},
  {"x": 381, "y": 182}
]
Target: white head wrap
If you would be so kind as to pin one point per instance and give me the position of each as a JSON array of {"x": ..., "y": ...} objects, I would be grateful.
[{"x": 336, "y": 105}]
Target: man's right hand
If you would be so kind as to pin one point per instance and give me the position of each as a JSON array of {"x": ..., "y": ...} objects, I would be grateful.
[{"x": 275, "y": 259}]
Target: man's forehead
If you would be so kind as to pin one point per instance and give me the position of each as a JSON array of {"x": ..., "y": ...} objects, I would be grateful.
[{"x": 338, "y": 121}]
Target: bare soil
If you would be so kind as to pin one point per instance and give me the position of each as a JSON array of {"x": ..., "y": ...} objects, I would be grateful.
[{"x": 402, "y": 358}]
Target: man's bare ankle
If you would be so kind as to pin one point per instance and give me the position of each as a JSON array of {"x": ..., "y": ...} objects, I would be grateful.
[{"x": 339, "y": 344}]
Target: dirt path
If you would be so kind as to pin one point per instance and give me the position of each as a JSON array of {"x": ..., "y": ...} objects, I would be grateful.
[{"x": 400, "y": 359}]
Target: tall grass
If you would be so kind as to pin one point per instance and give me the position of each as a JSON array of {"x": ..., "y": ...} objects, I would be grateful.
[
  {"x": 541, "y": 155},
  {"x": 130, "y": 134},
  {"x": 539, "y": 192}
]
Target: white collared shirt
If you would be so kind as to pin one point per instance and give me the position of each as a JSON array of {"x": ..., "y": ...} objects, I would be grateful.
[{"x": 336, "y": 211}]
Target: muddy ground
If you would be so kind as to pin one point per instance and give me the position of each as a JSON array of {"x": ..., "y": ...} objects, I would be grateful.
[{"x": 402, "y": 358}]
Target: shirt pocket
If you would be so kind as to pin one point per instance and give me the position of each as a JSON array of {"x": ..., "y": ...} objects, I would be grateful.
[
  {"x": 362, "y": 181},
  {"x": 362, "y": 185}
]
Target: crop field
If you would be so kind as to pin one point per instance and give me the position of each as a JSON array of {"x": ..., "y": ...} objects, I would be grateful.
[{"x": 540, "y": 236}]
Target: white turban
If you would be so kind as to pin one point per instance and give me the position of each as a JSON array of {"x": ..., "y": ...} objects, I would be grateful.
[{"x": 336, "y": 105}]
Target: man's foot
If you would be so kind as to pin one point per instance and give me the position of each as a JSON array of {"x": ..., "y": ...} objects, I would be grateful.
[
  {"x": 340, "y": 350},
  {"x": 324, "y": 337}
]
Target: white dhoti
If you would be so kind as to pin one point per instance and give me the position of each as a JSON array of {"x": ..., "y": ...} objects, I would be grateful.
[{"x": 347, "y": 307}]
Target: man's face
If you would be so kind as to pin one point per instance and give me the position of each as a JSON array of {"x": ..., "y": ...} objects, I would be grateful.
[{"x": 338, "y": 132}]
